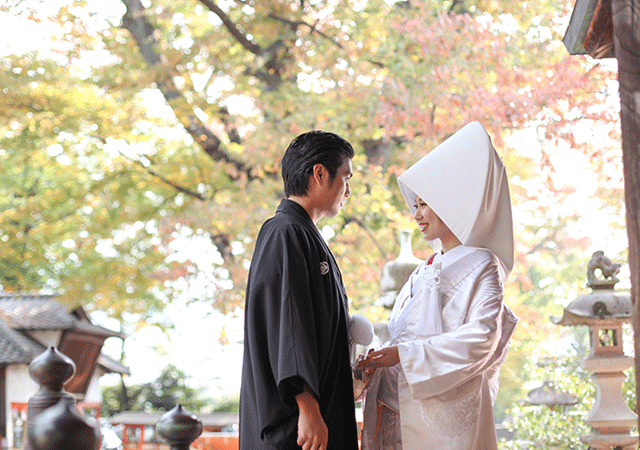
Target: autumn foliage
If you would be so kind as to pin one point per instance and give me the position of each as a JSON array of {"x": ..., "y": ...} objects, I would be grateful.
[{"x": 140, "y": 141}]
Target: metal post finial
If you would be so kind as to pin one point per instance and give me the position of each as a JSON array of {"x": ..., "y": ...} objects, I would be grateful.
[{"x": 179, "y": 428}]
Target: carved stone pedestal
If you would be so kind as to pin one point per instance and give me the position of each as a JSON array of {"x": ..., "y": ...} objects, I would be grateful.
[
  {"x": 610, "y": 418},
  {"x": 605, "y": 310}
]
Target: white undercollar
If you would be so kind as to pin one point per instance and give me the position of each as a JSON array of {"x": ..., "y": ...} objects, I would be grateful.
[{"x": 453, "y": 255}]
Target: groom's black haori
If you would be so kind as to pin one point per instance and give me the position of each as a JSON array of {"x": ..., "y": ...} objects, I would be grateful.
[
  {"x": 296, "y": 332},
  {"x": 296, "y": 345}
]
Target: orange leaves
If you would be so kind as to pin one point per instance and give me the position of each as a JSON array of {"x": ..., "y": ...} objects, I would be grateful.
[{"x": 452, "y": 69}]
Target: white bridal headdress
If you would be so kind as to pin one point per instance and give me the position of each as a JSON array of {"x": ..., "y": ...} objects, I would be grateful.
[{"x": 464, "y": 181}]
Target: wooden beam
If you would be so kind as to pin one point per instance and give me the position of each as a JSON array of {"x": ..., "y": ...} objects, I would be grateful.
[
  {"x": 599, "y": 39},
  {"x": 579, "y": 26},
  {"x": 626, "y": 30},
  {"x": 590, "y": 29}
]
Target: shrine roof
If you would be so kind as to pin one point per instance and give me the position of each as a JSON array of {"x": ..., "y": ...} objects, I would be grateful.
[
  {"x": 35, "y": 311},
  {"x": 16, "y": 348},
  {"x": 22, "y": 313}
]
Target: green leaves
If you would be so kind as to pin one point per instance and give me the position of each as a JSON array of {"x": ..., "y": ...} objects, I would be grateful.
[{"x": 171, "y": 387}]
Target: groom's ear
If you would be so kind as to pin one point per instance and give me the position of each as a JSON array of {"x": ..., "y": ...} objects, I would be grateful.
[{"x": 319, "y": 176}]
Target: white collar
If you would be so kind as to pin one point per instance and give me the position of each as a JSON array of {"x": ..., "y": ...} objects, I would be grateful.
[{"x": 447, "y": 258}]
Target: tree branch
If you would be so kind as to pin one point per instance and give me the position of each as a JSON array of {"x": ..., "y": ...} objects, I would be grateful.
[
  {"x": 233, "y": 29},
  {"x": 297, "y": 23},
  {"x": 141, "y": 29},
  {"x": 360, "y": 223},
  {"x": 267, "y": 64},
  {"x": 458, "y": 7},
  {"x": 164, "y": 180}
]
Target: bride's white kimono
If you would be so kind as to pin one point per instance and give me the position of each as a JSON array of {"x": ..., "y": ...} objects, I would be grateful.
[{"x": 452, "y": 331}]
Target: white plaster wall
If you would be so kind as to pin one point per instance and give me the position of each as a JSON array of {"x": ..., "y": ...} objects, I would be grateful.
[
  {"x": 47, "y": 338},
  {"x": 94, "y": 392},
  {"x": 20, "y": 386}
]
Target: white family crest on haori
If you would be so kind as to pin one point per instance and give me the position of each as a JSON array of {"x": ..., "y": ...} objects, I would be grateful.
[
  {"x": 324, "y": 267},
  {"x": 464, "y": 181}
]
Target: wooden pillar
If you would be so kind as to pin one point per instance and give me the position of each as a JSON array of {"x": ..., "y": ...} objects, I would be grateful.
[{"x": 626, "y": 30}]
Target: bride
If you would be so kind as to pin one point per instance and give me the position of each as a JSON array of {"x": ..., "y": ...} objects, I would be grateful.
[{"x": 433, "y": 384}]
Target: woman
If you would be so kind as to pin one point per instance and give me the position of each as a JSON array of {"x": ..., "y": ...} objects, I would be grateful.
[{"x": 433, "y": 384}]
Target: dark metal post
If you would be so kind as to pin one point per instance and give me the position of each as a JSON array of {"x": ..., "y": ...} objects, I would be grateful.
[
  {"x": 51, "y": 370},
  {"x": 62, "y": 427},
  {"x": 179, "y": 428},
  {"x": 53, "y": 421}
]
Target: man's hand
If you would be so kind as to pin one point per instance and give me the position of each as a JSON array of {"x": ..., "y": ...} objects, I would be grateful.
[
  {"x": 313, "y": 433},
  {"x": 361, "y": 372}
]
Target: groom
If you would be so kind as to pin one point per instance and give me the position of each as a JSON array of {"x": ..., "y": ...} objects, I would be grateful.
[{"x": 296, "y": 389}]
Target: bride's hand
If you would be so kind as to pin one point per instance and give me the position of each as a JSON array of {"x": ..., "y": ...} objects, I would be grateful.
[{"x": 385, "y": 357}]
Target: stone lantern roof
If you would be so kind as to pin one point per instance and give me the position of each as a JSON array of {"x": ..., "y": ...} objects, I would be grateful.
[
  {"x": 548, "y": 395},
  {"x": 597, "y": 307},
  {"x": 603, "y": 304}
]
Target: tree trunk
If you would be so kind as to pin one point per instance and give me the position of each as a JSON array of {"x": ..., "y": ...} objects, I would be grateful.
[{"x": 626, "y": 29}]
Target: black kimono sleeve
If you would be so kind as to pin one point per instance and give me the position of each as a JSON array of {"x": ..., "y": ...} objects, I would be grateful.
[{"x": 291, "y": 331}]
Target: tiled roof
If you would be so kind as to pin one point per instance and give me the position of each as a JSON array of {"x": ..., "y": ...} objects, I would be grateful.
[
  {"x": 96, "y": 330},
  {"x": 22, "y": 311},
  {"x": 16, "y": 348},
  {"x": 112, "y": 366},
  {"x": 27, "y": 311}
]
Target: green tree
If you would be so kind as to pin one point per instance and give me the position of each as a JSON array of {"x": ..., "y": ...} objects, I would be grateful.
[
  {"x": 152, "y": 120},
  {"x": 166, "y": 391},
  {"x": 227, "y": 405}
]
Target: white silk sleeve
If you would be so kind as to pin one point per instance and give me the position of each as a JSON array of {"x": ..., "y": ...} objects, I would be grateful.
[{"x": 438, "y": 363}]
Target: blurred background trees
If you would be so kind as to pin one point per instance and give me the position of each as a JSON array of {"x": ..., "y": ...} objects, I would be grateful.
[
  {"x": 172, "y": 386},
  {"x": 140, "y": 143}
]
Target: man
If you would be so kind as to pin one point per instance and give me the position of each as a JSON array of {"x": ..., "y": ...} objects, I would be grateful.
[{"x": 297, "y": 390}]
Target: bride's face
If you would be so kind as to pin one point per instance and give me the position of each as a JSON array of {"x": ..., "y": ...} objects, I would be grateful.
[{"x": 432, "y": 226}]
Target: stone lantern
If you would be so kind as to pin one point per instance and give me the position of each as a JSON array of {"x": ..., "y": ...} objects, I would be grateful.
[
  {"x": 604, "y": 310},
  {"x": 394, "y": 275}
]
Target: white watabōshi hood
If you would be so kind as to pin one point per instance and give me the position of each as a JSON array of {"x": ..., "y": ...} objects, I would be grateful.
[{"x": 464, "y": 181}]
